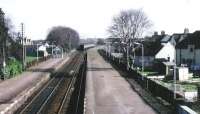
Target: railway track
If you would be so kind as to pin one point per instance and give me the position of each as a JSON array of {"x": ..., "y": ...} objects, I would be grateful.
[{"x": 54, "y": 97}]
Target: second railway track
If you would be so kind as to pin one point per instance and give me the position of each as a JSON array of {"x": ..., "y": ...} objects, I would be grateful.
[{"x": 54, "y": 97}]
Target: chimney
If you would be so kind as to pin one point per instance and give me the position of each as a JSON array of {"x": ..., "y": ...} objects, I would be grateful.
[
  {"x": 155, "y": 33},
  {"x": 162, "y": 32},
  {"x": 186, "y": 31}
]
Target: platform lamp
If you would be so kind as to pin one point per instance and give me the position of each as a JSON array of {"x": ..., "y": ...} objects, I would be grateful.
[
  {"x": 175, "y": 72},
  {"x": 52, "y": 46},
  {"x": 37, "y": 52},
  {"x": 142, "y": 54},
  {"x": 61, "y": 52}
]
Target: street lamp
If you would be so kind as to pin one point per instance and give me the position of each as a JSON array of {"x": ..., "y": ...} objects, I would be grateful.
[
  {"x": 108, "y": 49},
  {"x": 62, "y": 52},
  {"x": 37, "y": 52},
  {"x": 70, "y": 44},
  {"x": 52, "y": 48},
  {"x": 142, "y": 54},
  {"x": 174, "y": 72}
]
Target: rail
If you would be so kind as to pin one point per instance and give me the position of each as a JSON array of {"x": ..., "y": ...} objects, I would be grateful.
[{"x": 60, "y": 84}]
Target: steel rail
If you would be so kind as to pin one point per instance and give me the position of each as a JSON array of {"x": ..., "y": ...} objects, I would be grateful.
[
  {"x": 75, "y": 68},
  {"x": 63, "y": 106},
  {"x": 55, "y": 87},
  {"x": 36, "y": 96},
  {"x": 50, "y": 96},
  {"x": 80, "y": 88}
]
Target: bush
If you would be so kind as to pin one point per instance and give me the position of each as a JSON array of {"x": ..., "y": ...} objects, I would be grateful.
[
  {"x": 13, "y": 68},
  {"x": 4, "y": 73}
]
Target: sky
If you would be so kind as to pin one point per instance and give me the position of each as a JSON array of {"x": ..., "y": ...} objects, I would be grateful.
[{"x": 91, "y": 18}]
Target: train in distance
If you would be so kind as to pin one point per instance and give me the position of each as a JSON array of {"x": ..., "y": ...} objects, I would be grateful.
[{"x": 83, "y": 47}]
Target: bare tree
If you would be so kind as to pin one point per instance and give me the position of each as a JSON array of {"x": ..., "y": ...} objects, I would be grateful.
[
  {"x": 100, "y": 41},
  {"x": 129, "y": 24}
]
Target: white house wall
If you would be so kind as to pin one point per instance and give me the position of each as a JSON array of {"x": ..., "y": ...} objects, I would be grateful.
[{"x": 167, "y": 51}]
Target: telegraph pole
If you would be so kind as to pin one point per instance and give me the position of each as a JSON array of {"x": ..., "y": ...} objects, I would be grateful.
[
  {"x": 23, "y": 47},
  {"x": 4, "y": 42}
]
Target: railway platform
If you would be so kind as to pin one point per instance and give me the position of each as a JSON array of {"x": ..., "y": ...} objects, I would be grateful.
[
  {"x": 109, "y": 93},
  {"x": 15, "y": 91}
]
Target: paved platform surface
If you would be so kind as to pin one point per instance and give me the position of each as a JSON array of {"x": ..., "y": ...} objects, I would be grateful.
[
  {"x": 15, "y": 91},
  {"x": 109, "y": 93}
]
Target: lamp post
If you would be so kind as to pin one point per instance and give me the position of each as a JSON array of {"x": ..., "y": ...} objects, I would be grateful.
[
  {"x": 120, "y": 53},
  {"x": 174, "y": 72},
  {"x": 108, "y": 50},
  {"x": 52, "y": 48},
  {"x": 142, "y": 54},
  {"x": 62, "y": 52},
  {"x": 142, "y": 58},
  {"x": 37, "y": 52},
  {"x": 70, "y": 44}
]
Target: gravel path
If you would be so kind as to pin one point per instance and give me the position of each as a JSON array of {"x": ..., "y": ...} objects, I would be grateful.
[{"x": 109, "y": 93}]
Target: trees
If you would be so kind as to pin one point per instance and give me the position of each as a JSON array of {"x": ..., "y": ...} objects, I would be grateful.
[
  {"x": 63, "y": 36},
  {"x": 8, "y": 46},
  {"x": 100, "y": 41},
  {"x": 3, "y": 35},
  {"x": 129, "y": 24}
]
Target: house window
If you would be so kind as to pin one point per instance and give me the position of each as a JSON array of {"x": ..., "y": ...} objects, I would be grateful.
[
  {"x": 168, "y": 58},
  {"x": 189, "y": 61},
  {"x": 191, "y": 49},
  {"x": 183, "y": 61}
]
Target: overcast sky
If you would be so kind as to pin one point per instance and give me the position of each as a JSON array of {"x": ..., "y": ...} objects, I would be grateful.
[{"x": 91, "y": 18}]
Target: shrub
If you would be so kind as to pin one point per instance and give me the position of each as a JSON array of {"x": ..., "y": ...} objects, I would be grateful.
[
  {"x": 13, "y": 67},
  {"x": 4, "y": 73}
]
